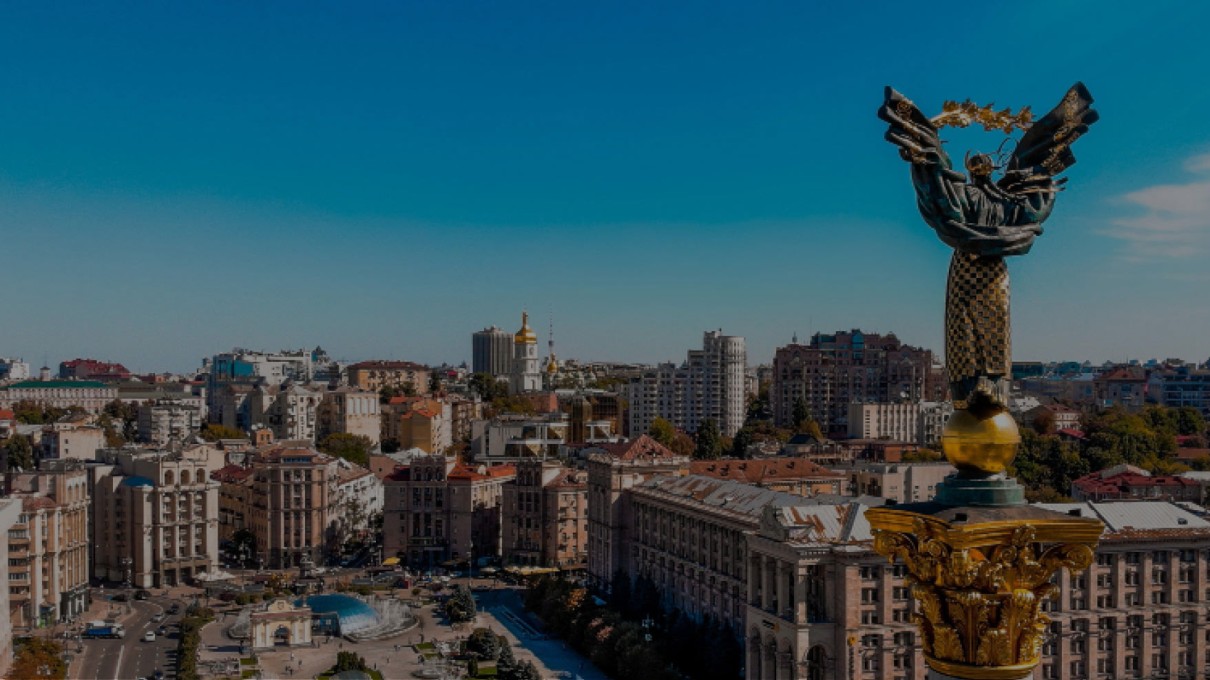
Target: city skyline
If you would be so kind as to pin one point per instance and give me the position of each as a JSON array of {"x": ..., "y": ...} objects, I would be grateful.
[{"x": 386, "y": 183}]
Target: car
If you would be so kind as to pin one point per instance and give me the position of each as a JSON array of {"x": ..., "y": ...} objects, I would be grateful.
[
  {"x": 142, "y": 594},
  {"x": 158, "y": 617},
  {"x": 149, "y": 636},
  {"x": 120, "y": 597},
  {"x": 174, "y": 610},
  {"x": 161, "y": 631}
]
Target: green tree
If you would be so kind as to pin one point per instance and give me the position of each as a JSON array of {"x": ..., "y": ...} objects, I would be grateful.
[
  {"x": 487, "y": 387},
  {"x": 506, "y": 663},
  {"x": 708, "y": 444},
  {"x": 800, "y": 411},
  {"x": 1189, "y": 421},
  {"x": 435, "y": 381},
  {"x": 354, "y": 448},
  {"x": 662, "y": 431},
  {"x": 19, "y": 452},
  {"x": 740, "y": 443},
  {"x": 213, "y": 432},
  {"x": 350, "y": 661},
  {"x": 391, "y": 445},
  {"x": 460, "y": 607},
  {"x": 484, "y": 644}
]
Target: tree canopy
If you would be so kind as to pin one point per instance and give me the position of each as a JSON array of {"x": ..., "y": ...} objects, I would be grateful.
[
  {"x": 354, "y": 448},
  {"x": 708, "y": 442}
]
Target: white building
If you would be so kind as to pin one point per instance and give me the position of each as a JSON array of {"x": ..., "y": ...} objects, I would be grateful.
[
  {"x": 168, "y": 421},
  {"x": 896, "y": 421},
  {"x": 13, "y": 369},
  {"x": 526, "y": 376},
  {"x": 709, "y": 385}
]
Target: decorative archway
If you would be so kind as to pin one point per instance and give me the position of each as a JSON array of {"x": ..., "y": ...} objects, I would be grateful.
[
  {"x": 280, "y": 623},
  {"x": 281, "y": 636}
]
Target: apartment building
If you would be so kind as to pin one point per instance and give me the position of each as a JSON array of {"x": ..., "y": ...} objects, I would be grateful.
[
  {"x": 400, "y": 375},
  {"x": 418, "y": 422},
  {"x": 709, "y": 385},
  {"x": 167, "y": 422},
  {"x": 896, "y": 421},
  {"x": 843, "y": 368},
  {"x": 10, "y": 512},
  {"x": 545, "y": 516},
  {"x": 156, "y": 516},
  {"x": 72, "y": 438},
  {"x": 898, "y": 482},
  {"x": 350, "y": 411},
  {"x": 48, "y": 545},
  {"x": 492, "y": 352},
  {"x": 436, "y": 510}
]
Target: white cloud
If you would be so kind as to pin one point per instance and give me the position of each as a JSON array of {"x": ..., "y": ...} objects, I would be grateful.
[{"x": 1172, "y": 220}]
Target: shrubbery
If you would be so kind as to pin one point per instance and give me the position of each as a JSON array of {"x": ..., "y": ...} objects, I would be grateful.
[{"x": 191, "y": 636}]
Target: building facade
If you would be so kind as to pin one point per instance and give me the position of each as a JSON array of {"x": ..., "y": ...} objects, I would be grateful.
[
  {"x": 492, "y": 352},
  {"x": 544, "y": 516},
  {"x": 168, "y": 422},
  {"x": 526, "y": 377},
  {"x": 48, "y": 546},
  {"x": 404, "y": 376},
  {"x": 91, "y": 395},
  {"x": 156, "y": 516},
  {"x": 349, "y": 411},
  {"x": 897, "y": 421},
  {"x": 843, "y": 368},
  {"x": 709, "y": 385}
]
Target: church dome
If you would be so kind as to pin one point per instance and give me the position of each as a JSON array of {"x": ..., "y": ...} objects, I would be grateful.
[{"x": 526, "y": 335}]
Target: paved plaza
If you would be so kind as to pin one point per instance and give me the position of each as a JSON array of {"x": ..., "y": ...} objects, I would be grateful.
[{"x": 397, "y": 658}]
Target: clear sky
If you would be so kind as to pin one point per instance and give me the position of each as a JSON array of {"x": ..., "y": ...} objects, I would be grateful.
[{"x": 383, "y": 180}]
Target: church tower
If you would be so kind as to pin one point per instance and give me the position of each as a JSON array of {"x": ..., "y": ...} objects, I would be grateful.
[{"x": 526, "y": 376}]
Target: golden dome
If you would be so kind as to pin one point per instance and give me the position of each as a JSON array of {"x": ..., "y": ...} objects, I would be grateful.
[
  {"x": 526, "y": 335},
  {"x": 552, "y": 365},
  {"x": 985, "y": 445}
]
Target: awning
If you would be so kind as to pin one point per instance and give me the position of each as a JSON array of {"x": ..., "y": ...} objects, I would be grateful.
[{"x": 390, "y": 561}]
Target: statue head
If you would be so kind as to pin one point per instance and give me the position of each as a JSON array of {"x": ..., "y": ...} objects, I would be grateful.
[{"x": 980, "y": 165}]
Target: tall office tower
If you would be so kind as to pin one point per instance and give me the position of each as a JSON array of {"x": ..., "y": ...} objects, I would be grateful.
[
  {"x": 492, "y": 352},
  {"x": 709, "y": 385}
]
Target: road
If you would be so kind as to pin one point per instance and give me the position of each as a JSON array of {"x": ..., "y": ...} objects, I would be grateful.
[{"x": 131, "y": 657}]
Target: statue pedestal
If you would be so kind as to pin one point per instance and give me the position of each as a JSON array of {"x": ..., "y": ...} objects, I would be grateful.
[
  {"x": 995, "y": 491},
  {"x": 979, "y": 575}
]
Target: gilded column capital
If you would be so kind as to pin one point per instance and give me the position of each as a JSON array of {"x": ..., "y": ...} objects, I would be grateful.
[{"x": 979, "y": 606}]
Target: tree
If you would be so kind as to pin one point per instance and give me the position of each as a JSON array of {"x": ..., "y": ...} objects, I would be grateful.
[
  {"x": 487, "y": 387},
  {"x": 19, "y": 452},
  {"x": 662, "y": 431},
  {"x": 213, "y": 432},
  {"x": 506, "y": 663},
  {"x": 1189, "y": 421},
  {"x": 460, "y": 607},
  {"x": 354, "y": 448},
  {"x": 434, "y": 382},
  {"x": 922, "y": 456},
  {"x": 391, "y": 445},
  {"x": 39, "y": 658},
  {"x": 350, "y": 661},
  {"x": 484, "y": 644},
  {"x": 682, "y": 444},
  {"x": 800, "y": 411},
  {"x": 523, "y": 671},
  {"x": 740, "y": 443},
  {"x": 708, "y": 444}
]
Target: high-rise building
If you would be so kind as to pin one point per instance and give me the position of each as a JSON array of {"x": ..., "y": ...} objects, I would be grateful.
[
  {"x": 492, "y": 352},
  {"x": 842, "y": 368},
  {"x": 526, "y": 377},
  {"x": 709, "y": 385}
]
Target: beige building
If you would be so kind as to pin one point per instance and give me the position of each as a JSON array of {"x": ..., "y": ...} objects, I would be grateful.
[
  {"x": 10, "y": 512},
  {"x": 48, "y": 545},
  {"x": 418, "y": 422},
  {"x": 436, "y": 510},
  {"x": 91, "y": 395},
  {"x": 401, "y": 375},
  {"x": 291, "y": 412},
  {"x": 156, "y": 516},
  {"x": 349, "y": 411},
  {"x": 545, "y": 516},
  {"x": 899, "y": 482},
  {"x": 77, "y": 440},
  {"x": 897, "y": 421},
  {"x": 613, "y": 470}
]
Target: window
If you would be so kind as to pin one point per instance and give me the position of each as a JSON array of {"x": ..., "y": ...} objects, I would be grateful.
[
  {"x": 869, "y": 595},
  {"x": 869, "y": 618},
  {"x": 1104, "y": 560},
  {"x": 1132, "y": 663},
  {"x": 1159, "y": 597}
]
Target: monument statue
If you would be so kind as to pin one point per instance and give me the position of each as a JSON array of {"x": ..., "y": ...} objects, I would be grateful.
[
  {"x": 979, "y": 559},
  {"x": 985, "y": 219}
]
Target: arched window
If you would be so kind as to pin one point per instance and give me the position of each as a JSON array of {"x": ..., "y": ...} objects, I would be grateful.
[
  {"x": 815, "y": 663},
  {"x": 184, "y": 477},
  {"x": 169, "y": 478}
]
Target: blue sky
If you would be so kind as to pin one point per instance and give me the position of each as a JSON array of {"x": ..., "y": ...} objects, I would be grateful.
[{"x": 383, "y": 180}]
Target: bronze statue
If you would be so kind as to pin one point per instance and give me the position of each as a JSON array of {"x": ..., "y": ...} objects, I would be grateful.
[{"x": 985, "y": 219}]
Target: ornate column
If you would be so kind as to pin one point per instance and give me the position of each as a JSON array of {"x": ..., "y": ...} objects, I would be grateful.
[{"x": 979, "y": 559}]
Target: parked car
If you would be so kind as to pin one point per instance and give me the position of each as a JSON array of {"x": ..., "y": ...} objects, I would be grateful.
[
  {"x": 141, "y": 594},
  {"x": 149, "y": 636},
  {"x": 174, "y": 610},
  {"x": 158, "y": 617}
]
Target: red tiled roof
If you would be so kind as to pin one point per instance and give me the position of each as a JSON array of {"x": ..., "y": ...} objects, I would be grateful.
[
  {"x": 1071, "y": 432},
  {"x": 6, "y": 414},
  {"x": 756, "y": 471},
  {"x": 465, "y": 472},
  {"x": 231, "y": 474},
  {"x": 1122, "y": 483},
  {"x": 643, "y": 447}
]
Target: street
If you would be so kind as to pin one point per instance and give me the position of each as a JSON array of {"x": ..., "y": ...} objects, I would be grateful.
[{"x": 131, "y": 657}]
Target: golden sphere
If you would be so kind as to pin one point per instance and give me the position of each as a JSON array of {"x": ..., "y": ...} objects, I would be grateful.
[{"x": 985, "y": 445}]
